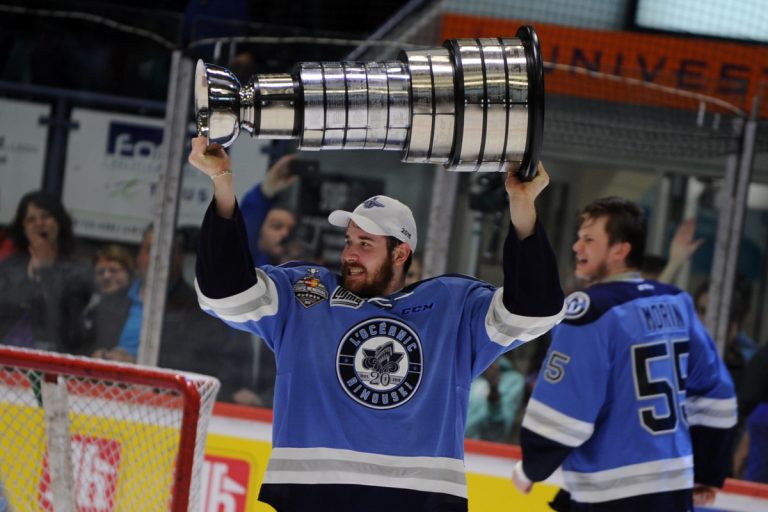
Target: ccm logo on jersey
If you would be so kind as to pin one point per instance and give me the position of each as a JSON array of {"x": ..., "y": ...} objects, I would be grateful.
[
  {"x": 576, "y": 305},
  {"x": 417, "y": 309}
]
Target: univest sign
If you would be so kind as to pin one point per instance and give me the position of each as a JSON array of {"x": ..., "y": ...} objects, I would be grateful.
[{"x": 730, "y": 72}]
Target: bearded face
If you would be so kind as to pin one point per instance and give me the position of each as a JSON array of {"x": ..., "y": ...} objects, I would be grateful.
[
  {"x": 369, "y": 263},
  {"x": 367, "y": 282}
]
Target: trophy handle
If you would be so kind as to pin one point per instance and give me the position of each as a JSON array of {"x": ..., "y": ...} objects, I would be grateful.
[{"x": 535, "y": 68}]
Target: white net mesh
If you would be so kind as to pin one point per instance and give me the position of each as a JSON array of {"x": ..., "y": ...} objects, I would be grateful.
[{"x": 98, "y": 436}]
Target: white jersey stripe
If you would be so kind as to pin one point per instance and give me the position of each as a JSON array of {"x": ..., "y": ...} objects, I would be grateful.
[
  {"x": 552, "y": 424},
  {"x": 644, "y": 478},
  {"x": 327, "y": 465},
  {"x": 504, "y": 327},
  {"x": 252, "y": 304},
  {"x": 373, "y": 458},
  {"x": 711, "y": 412}
]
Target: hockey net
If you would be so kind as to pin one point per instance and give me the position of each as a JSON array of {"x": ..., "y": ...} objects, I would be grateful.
[{"x": 79, "y": 434}]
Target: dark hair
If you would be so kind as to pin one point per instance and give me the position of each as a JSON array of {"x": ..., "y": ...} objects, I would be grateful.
[
  {"x": 393, "y": 242},
  {"x": 52, "y": 205},
  {"x": 118, "y": 253},
  {"x": 625, "y": 223}
]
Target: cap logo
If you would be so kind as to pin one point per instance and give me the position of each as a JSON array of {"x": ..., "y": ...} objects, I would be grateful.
[
  {"x": 374, "y": 201},
  {"x": 406, "y": 233}
]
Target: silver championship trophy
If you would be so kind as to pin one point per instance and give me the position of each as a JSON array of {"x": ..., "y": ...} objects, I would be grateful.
[{"x": 471, "y": 105}]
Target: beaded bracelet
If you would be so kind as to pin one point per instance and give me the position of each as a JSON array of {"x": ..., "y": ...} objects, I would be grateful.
[{"x": 222, "y": 173}]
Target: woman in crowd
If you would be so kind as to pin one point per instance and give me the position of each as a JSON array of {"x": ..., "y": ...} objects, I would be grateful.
[{"x": 44, "y": 288}]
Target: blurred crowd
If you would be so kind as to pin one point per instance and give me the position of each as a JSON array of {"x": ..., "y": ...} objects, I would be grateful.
[{"x": 56, "y": 299}]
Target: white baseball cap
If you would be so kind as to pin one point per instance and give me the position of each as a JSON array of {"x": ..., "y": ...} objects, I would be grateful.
[{"x": 380, "y": 215}]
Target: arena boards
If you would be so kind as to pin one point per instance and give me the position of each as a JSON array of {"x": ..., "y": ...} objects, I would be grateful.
[{"x": 238, "y": 448}]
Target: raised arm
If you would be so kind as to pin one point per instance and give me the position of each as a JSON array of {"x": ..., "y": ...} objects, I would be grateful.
[
  {"x": 681, "y": 249},
  {"x": 531, "y": 278},
  {"x": 223, "y": 265},
  {"x": 214, "y": 162}
]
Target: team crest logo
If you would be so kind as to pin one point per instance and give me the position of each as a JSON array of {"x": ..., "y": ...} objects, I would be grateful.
[
  {"x": 309, "y": 290},
  {"x": 379, "y": 363},
  {"x": 373, "y": 202},
  {"x": 576, "y": 305}
]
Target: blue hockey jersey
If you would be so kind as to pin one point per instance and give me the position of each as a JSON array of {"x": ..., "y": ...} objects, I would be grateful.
[
  {"x": 630, "y": 382},
  {"x": 370, "y": 392}
]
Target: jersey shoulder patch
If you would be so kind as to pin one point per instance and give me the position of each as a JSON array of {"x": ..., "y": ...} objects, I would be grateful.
[
  {"x": 576, "y": 305},
  {"x": 588, "y": 305}
]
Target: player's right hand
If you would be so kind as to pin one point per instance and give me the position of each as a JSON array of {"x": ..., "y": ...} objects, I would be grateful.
[
  {"x": 703, "y": 495},
  {"x": 211, "y": 159}
]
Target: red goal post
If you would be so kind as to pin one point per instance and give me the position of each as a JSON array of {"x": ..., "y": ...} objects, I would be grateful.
[{"x": 100, "y": 436}]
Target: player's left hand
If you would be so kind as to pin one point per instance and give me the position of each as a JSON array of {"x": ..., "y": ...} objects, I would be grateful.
[
  {"x": 703, "y": 495},
  {"x": 525, "y": 191},
  {"x": 522, "y": 194}
]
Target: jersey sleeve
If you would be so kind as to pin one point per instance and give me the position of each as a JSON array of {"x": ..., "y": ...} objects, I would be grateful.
[
  {"x": 229, "y": 287},
  {"x": 223, "y": 266},
  {"x": 531, "y": 277},
  {"x": 710, "y": 406},
  {"x": 566, "y": 401},
  {"x": 529, "y": 304}
]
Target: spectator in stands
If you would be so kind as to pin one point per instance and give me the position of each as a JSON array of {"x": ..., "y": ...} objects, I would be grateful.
[
  {"x": 113, "y": 271},
  {"x": 190, "y": 339},
  {"x": 494, "y": 399},
  {"x": 7, "y": 247},
  {"x": 44, "y": 288},
  {"x": 681, "y": 248},
  {"x": 268, "y": 225},
  {"x": 739, "y": 347}
]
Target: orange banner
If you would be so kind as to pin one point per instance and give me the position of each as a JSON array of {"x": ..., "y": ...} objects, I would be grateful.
[{"x": 657, "y": 69}]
